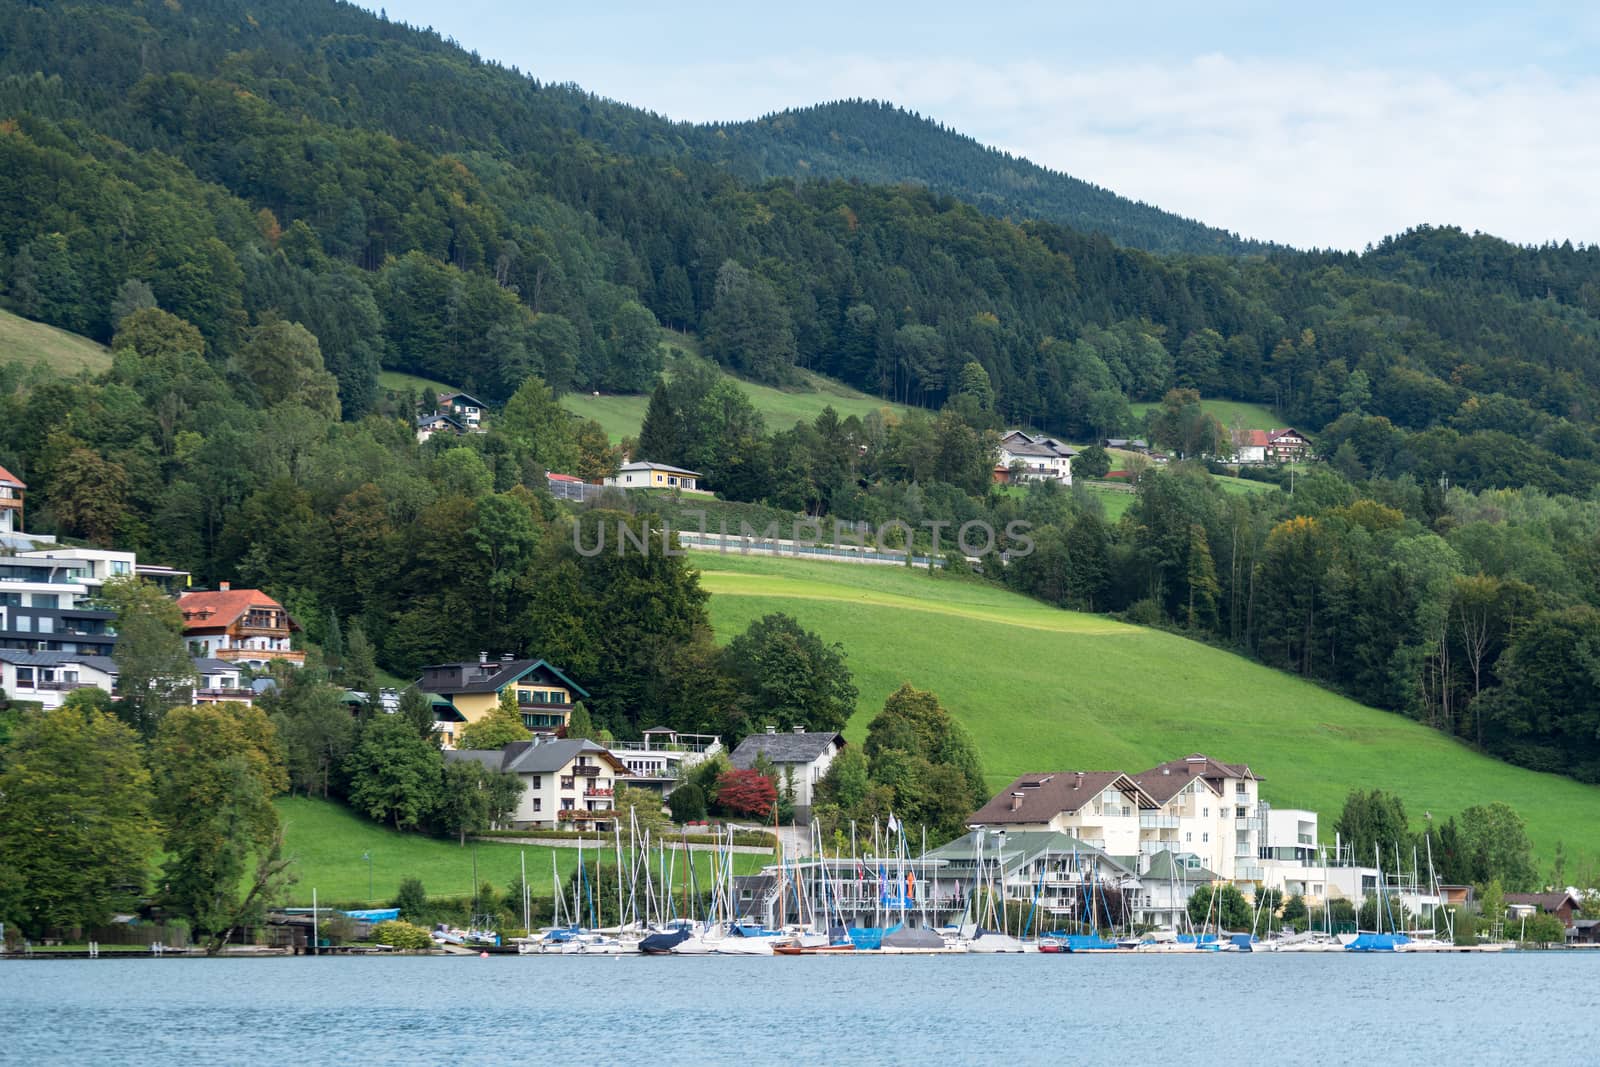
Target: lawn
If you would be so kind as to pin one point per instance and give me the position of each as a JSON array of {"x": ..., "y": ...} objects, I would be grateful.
[
  {"x": 622, "y": 414},
  {"x": 394, "y": 381},
  {"x": 1042, "y": 689},
  {"x": 30, "y": 343},
  {"x": 1230, "y": 413},
  {"x": 328, "y": 840}
]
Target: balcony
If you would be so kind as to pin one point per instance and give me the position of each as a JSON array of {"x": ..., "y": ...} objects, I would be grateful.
[
  {"x": 1154, "y": 821},
  {"x": 224, "y": 694},
  {"x": 61, "y": 687},
  {"x": 597, "y": 792},
  {"x": 583, "y": 814},
  {"x": 1248, "y": 873},
  {"x": 1243, "y": 851},
  {"x": 1150, "y": 848},
  {"x": 1094, "y": 842},
  {"x": 1251, "y": 822},
  {"x": 247, "y": 655}
]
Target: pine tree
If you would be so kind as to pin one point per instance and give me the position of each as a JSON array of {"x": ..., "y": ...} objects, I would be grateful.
[{"x": 1202, "y": 580}]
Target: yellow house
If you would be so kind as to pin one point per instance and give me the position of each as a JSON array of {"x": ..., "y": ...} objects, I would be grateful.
[
  {"x": 654, "y": 476},
  {"x": 544, "y": 695}
]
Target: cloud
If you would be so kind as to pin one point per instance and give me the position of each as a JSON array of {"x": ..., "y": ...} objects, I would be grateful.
[{"x": 1301, "y": 153}]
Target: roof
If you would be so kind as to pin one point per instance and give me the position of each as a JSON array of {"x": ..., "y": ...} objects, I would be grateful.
[
  {"x": 1255, "y": 439},
  {"x": 17, "y": 657},
  {"x": 509, "y": 672},
  {"x": 533, "y": 757},
  {"x": 644, "y": 465},
  {"x": 1545, "y": 902},
  {"x": 1194, "y": 765},
  {"x": 1275, "y": 435},
  {"x": 1020, "y": 847},
  {"x": 445, "y": 398},
  {"x": 213, "y": 664},
  {"x": 784, "y": 748},
  {"x": 1163, "y": 787},
  {"x": 554, "y": 477},
  {"x": 436, "y": 418},
  {"x": 1164, "y": 867},
  {"x": 225, "y": 607},
  {"x": 1046, "y": 794},
  {"x": 9, "y": 479},
  {"x": 1020, "y": 443}
]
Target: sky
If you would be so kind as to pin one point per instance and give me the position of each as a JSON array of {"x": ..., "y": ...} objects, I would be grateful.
[{"x": 1327, "y": 125}]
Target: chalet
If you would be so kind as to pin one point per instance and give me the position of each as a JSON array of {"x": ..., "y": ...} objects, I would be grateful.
[
  {"x": 1287, "y": 446},
  {"x": 1269, "y": 446},
  {"x": 12, "y": 489},
  {"x": 643, "y": 475},
  {"x": 1127, "y": 444},
  {"x": 430, "y": 426},
  {"x": 544, "y": 695},
  {"x": 466, "y": 409},
  {"x": 801, "y": 757},
  {"x": 1210, "y": 809},
  {"x": 1101, "y": 808},
  {"x": 1561, "y": 904},
  {"x": 240, "y": 626},
  {"x": 1027, "y": 457},
  {"x": 565, "y": 784}
]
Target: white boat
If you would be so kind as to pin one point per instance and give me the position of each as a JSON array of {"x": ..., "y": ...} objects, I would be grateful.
[
  {"x": 745, "y": 946},
  {"x": 989, "y": 942}
]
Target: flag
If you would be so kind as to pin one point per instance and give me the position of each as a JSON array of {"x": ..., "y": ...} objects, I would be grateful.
[{"x": 893, "y": 825}]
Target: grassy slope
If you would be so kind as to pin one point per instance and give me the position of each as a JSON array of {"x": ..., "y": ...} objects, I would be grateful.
[
  {"x": 394, "y": 381},
  {"x": 621, "y": 414},
  {"x": 1042, "y": 689},
  {"x": 327, "y": 841},
  {"x": 1249, "y": 416},
  {"x": 28, "y": 342}
]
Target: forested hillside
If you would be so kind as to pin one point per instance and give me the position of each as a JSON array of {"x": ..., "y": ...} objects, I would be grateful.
[
  {"x": 260, "y": 206},
  {"x": 875, "y": 141}
]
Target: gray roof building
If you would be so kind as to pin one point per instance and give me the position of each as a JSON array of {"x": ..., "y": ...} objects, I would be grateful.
[{"x": 795, "y": 747}]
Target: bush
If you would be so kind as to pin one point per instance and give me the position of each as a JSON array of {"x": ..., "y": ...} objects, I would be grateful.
[
  {"x": 412, "y": 900},
  {"x": 401, "y": 934},
  {"x": 688, "y": 803}
]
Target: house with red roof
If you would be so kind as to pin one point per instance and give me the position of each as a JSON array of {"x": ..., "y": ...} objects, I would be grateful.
[
  {"x": 1270, "y": 446},
  {"x": 11, "y": 491},
  {"x": 238, "y": 626}
]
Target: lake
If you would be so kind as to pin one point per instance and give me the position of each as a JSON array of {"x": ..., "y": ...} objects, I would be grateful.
[{"x": 1264, "y": 1008}]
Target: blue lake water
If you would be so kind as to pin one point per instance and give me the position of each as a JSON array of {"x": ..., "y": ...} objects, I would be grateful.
[{"x": 1536, "y": 1008}]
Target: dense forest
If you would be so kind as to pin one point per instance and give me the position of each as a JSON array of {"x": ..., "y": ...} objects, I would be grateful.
[{"x": 259, "y": 206}]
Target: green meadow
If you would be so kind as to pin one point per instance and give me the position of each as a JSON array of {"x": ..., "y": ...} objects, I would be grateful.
[
  {"x": 1042, "y": 689},
  {"x": 1230, "y": 413},
  {"x": 328, "y": 841},
  {"x": 30, "y": 343},
  {"x": 621, "y": 415}
]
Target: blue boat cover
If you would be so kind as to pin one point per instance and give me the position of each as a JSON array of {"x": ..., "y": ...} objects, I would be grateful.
[{"x": 1377, "y": 942}]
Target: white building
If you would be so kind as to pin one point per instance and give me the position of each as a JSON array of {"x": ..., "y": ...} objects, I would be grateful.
[
  {"x": 437, "y": 423},
  {"x": 47, "y": 677},
  {"x": 1166, "y": 882},
  {"x": 567, "y": 785},
  {"x": 1208, "y": 808},
  {"x": 94, "y": 565},
  {"x": 643, "y": 475},
  {"x": 799, "y": 757},
  {"x": 660, "y": 758},
  {"x": 1034, "y": 458},
  {"x": 1100, "y": 808}
]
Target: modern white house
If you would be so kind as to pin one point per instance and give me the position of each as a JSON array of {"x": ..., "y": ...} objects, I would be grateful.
[
  {"x": 1101, "y": 808},
  {"x": 566, "y": 785},
  {"x": 800, "y": 757},
  {"x": 220, "y": 682},
  {"x": 1028, "y": 457},
  {"x": 1166, "y": 882},
  {"x": 47, "y": 677},
  {"x": 1207, "y": 808},
  {"x": 94, "y": 565},
  {"x": 45, "y": 606},
  {"x": 658, "y": 760},
  {"x": 642, "y": 475}
]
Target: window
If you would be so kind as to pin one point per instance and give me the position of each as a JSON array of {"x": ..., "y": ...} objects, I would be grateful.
[
  {"x": 567, "y": 803},
  {"x": 1205, "y": 813},
  {"x": 45, "y": 600},
  {"x": 24, "y": 624},
  {"x": 538, "y": 804},
  {"x": 47, "y": 625},
  {"x": 24, "y": 677},
  {"x": 1243, "y": 812},
  {"x": 538, "y": 781},
  {"x": 1188, "y": 836},
  {"x": 1205, "y": 839},
  {"x": 119, "y": 566},
  {"x": 566, "y": 781}
]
